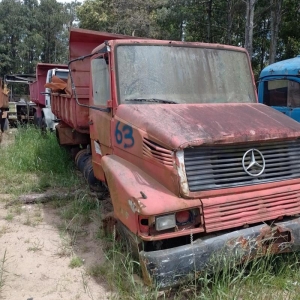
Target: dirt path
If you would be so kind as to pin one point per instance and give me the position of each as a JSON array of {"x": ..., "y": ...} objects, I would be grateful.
[{"x": 37, "y": 256}]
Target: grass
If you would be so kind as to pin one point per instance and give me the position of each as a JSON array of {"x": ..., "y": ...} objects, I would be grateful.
[
  {"x": 34, "y": 163},
  {"x": 2, "y": 270},
  {"x": 9, "y": 217},
  {"x": 35, "y": 247},
  {"x": 75, "y": 262}
]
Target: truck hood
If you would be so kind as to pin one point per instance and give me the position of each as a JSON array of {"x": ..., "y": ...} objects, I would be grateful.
[{"x": 178, "y": 126}]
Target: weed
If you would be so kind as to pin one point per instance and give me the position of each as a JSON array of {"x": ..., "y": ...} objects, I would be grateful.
[
  {"x": 75, "y": 262},
  {"x": 9, "y": 217},
  {"x": 97, "y": 270},
  {"x": 3, "y": 230},
  {"x": 85, "y": 286},
  {"x": 17, "y": 209},
  {"x": 28, "y": 221},
  {"x": 65, "y": 249},
  {"x": 2, "y": 270},
  {"x": 36, "y": 246}
]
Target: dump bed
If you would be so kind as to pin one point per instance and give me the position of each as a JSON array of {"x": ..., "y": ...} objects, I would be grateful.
[
  {"x": 64, "y": 106},
  {"x": 38, "y": 86}
]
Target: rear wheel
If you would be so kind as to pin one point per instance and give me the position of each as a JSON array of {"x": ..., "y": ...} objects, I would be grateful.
[
  {"x": 3, "y": 124},
  {"x": 36, "y": 120},
  {"x": 43, "y": 125}
]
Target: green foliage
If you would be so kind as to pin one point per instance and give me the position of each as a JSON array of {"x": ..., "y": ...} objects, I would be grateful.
[
  {"x": 75, "y": 262},
  {"x": 290, "y": 34},
  {"x": 33, "y": 31},
  {"x": 130, "y": 17},
  {"x": 35, "y": 162}
]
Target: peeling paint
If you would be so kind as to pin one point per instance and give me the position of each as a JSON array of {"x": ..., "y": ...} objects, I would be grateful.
[
  {"x": 181, "y": 172},
  {"x": 133, "y": 206}
]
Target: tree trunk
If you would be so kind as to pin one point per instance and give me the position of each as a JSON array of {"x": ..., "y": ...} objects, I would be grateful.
[
  {"x": 276, "y": 11},
  {"x": 229, "y": 21},
  {"x": 250, "y": 5},
  {"x": 209, "y": 13}
]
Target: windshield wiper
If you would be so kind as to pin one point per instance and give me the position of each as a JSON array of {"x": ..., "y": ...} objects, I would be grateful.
[{"x": 151, "y": 100}]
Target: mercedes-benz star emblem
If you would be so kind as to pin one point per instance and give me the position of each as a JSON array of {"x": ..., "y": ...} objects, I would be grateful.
[{"x": 253, "y": 162}]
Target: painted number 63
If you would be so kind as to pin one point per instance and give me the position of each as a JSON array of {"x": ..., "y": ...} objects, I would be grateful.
[{"x": 124, "y": 134}]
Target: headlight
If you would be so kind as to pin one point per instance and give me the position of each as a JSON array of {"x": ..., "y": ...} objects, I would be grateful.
[{"x": 165, "y": 222}]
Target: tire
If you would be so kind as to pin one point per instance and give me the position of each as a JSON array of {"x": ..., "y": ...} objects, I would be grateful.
[
  {"x": 36, "y": 120},
  {"x": 43, "y": 125},
  {"x": 3, "y": 124}
]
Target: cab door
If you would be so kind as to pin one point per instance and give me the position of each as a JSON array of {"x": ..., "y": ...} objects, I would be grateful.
[{"x": 100, "y": 114}]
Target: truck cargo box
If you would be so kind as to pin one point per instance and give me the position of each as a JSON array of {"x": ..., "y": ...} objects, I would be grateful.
[
  {"x": 64, "y": 106},
  {"x": 38, "y": 86},
  {"x": 3, "y": 97}
]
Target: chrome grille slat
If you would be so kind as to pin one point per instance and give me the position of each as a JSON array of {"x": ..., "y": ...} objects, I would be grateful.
[{"x": 219, "y": 167}]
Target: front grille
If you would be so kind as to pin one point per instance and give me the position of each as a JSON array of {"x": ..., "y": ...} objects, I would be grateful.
[
  {"x": 216, "y": 167},
  {"x": 250, "y": 209}
]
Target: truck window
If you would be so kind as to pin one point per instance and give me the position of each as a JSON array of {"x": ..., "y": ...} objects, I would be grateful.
[
  {"x": 275, "y": 93},
  {"x": 294, "y": 93},
  {"x": 100, "y": 80},
  {"x": 183, "y": 74},
  {"x": 282, "y": 93},
  {"x": 62, "y": 74}
]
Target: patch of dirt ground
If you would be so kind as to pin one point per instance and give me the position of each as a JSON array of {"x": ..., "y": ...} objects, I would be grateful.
[{"x": 36, "y": 256}]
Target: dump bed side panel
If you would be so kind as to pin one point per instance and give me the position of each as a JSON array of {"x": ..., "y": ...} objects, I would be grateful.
[
  {"x": 3, "y": 100},
  {"x": 3, "y": 97},
  {"x": 81, "y": 43}
]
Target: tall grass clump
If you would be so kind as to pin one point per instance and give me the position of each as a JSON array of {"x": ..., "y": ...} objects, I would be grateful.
[
  {"x": 122, "y": 272},
  {"x": 2, "y": 271},
  {"x": 270, "y": 277},
  {"x": 35, "y": 161}
]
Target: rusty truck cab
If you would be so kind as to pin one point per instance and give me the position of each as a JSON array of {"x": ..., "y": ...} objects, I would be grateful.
[{"x": 196, "y": 168}]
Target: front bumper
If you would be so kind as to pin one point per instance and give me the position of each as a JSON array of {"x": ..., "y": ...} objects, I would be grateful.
[{"x": 166, "y": 268}]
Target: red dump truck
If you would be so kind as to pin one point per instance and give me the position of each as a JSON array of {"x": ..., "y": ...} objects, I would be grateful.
[
  {"x": 4, "y": 107},
  {"x": 43, "y": 116},
  {"x": 196, "y": 168}
]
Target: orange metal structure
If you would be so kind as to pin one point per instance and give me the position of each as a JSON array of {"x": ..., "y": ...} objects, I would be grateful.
[
  {"x": 196, "y": 168},
  {"x": 4, "y": 107}
]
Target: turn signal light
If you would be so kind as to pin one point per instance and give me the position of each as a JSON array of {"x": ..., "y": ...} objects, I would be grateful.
[{"x": 182, "y": 217}]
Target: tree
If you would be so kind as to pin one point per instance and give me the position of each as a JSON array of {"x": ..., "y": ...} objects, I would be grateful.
[
  {"x": 250, "y": 5},
  {"x": 289, "y": 34},
  {"x": 51, "y": 18},
  {"x": 129, "y": 17},
  {"x": 276, "y": 11},
  {"x": 12, "y": 19}
]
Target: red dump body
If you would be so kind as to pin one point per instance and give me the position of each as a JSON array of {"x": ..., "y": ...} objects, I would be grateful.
[
  {"x": 38, "y": 87},
  {"x": 3, "y": 98},
  {"x": 64, "y": 106}
]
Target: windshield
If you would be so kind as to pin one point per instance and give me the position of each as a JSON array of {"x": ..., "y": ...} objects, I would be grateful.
[
  {"x": 62, "y": 74},
  {"x": 183, "y": 75}
]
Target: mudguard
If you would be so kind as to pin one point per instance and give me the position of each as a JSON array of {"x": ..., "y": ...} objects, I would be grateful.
[{"x": 134, "y": 192}]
